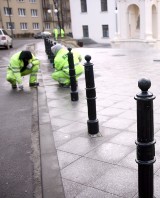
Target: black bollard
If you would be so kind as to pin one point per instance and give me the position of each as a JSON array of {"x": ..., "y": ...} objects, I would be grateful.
[
  {"x": 45, "y": 44},
  {"x": 93, "y": 123},
  {"x": 51, "y": 55},
  {"x": 50, "y": 44},
  {"x": 74, "y": 92},
  {"x": 145, "y": 140}
]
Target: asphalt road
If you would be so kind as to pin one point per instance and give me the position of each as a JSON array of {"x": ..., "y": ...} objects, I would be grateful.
[
  {"x": 17, "y": 45},
  {"x": 18, "y": 135}
]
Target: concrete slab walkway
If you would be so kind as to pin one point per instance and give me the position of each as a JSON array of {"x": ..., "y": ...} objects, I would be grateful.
[{"x": 73, "y": 163}]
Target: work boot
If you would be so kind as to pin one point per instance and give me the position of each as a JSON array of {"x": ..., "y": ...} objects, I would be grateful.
[
  {"x": 14, "y": 86},
  {"x": 36, "y": 84}
]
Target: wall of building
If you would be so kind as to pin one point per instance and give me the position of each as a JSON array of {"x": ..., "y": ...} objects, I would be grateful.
[
  {"x": 22, "y": 19},
  {"x": 42, "y": 6},
  {"x": 137, "y": 21},
  {"x": 94, "y": 18}
]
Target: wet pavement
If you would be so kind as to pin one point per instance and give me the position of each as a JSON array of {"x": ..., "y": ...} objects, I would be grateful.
[{"x": 77, "y": 165}]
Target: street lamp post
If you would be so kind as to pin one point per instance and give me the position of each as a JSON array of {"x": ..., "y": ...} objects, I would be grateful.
[
  {"x": 50, "y": 12},
  {"x": 116, "y": 12},
  {"x": 56, "y": 11},
  {"x": 10, "y": 21},
  {"x": 116, "y": 19}
]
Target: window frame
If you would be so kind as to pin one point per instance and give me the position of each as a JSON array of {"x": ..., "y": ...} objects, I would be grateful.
[
  {"x": 8, "y": 11},
  {"x": 104, "y": 5},
  {"x": 105, "y": 31},
  {"x": 21, "y": 11},
  {"x": 35, "y": 26},
  {"x": 34, "y": 12},
  {"x": 85, "y": 30},
  {"x": 47, "y": 26},
  {"x": 9, "y": 25},
  {"x": 83, "y": 6},
  {"x": 22, "y": 26}
]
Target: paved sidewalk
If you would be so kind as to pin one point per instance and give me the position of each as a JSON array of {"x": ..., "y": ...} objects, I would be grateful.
[{"x": 73, "y": 163}]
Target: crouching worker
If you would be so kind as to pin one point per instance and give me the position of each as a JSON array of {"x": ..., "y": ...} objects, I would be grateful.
[
  {"x": 61, "y": 73},
  {"x": 21, "y": 64}
]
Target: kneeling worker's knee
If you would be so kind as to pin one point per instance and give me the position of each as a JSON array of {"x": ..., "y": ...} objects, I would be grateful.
[{"x": 9, "y": 78}]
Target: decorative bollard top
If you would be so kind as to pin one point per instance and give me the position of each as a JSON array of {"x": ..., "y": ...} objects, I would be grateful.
[
  {"x": 88, "y": 58},
  {"x": 144, "y": 84}
]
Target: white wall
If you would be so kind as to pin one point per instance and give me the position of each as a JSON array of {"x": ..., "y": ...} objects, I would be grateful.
[{"x": 94, "y": 18}]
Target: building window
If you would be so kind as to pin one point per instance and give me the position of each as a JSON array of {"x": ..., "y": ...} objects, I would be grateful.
[
  {"x": 83, "y": 6},
  {"x": 21, "y": 0},
  {"x": 10, "y": 25},
  {"x": 7, "y": 11},
  {"x": 34, "y": 13},
  {"x": 85, "y": 31},
  {"x": 23, "y": 26},
  {"x": 32, "y": 1},
  {"x": 47, "y": 26},
  {"x": 21, "y": 12},
  {"x": 36, "y": 26},
  {"x": 104, "y": 6},
  {"x": 105, "y": 29}
]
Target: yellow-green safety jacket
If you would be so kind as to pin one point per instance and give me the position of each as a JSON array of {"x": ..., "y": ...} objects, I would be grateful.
[
  {"x": 16, "y": 65},
  {"x": 61, "y": 61}
]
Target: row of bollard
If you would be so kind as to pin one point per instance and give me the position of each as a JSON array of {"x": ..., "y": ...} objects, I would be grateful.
[
  {"x": 145, "y": 143},
  {"x": 92, "y": 123},
  {"x": 48, "y": 44}
]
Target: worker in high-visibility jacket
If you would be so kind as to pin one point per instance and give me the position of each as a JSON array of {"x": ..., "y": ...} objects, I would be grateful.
[
  {"x": 61, "y": 73},
  {"x": 62, "y": 33},
  {"x": 55, "y": 33},
  {"x": 21, "y": 64}
]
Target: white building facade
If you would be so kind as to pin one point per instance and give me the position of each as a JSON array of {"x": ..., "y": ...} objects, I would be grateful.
[
  {"x": 92, "y": 19},
  {"x": 120, "y": 22}
]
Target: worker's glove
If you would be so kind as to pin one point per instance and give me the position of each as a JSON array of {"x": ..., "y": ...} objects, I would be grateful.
[
  {"x": 20, "y": 86},
  {"x": 29, "y": 66}
]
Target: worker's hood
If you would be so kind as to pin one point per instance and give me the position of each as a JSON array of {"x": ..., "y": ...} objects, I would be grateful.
[{"x": 55, "y": 49}]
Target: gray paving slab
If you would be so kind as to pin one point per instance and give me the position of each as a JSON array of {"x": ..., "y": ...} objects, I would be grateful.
[{"x": 104, "y": 166}]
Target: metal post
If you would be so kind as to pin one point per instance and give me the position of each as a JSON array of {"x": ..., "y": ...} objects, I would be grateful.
[
  {"x": 49, "y": 49},
  {"x": 47, "y": 46},
  {"x": 93, "y": 123},
  {"x": 10, "y": 21},
  {"x": 116, "y": 12},
  {"x": 72, "y": 73},
  {"x": 145, "y": 140},
  {"x": 50, "y": 56},
  {"x": 58, "y": 16}
]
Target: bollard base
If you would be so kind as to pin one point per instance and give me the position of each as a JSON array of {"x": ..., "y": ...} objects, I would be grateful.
[
  {"x": 95, "y": 135},
  {"x": 74, "y": 96},
  {"x": 93, "y": 127}
]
